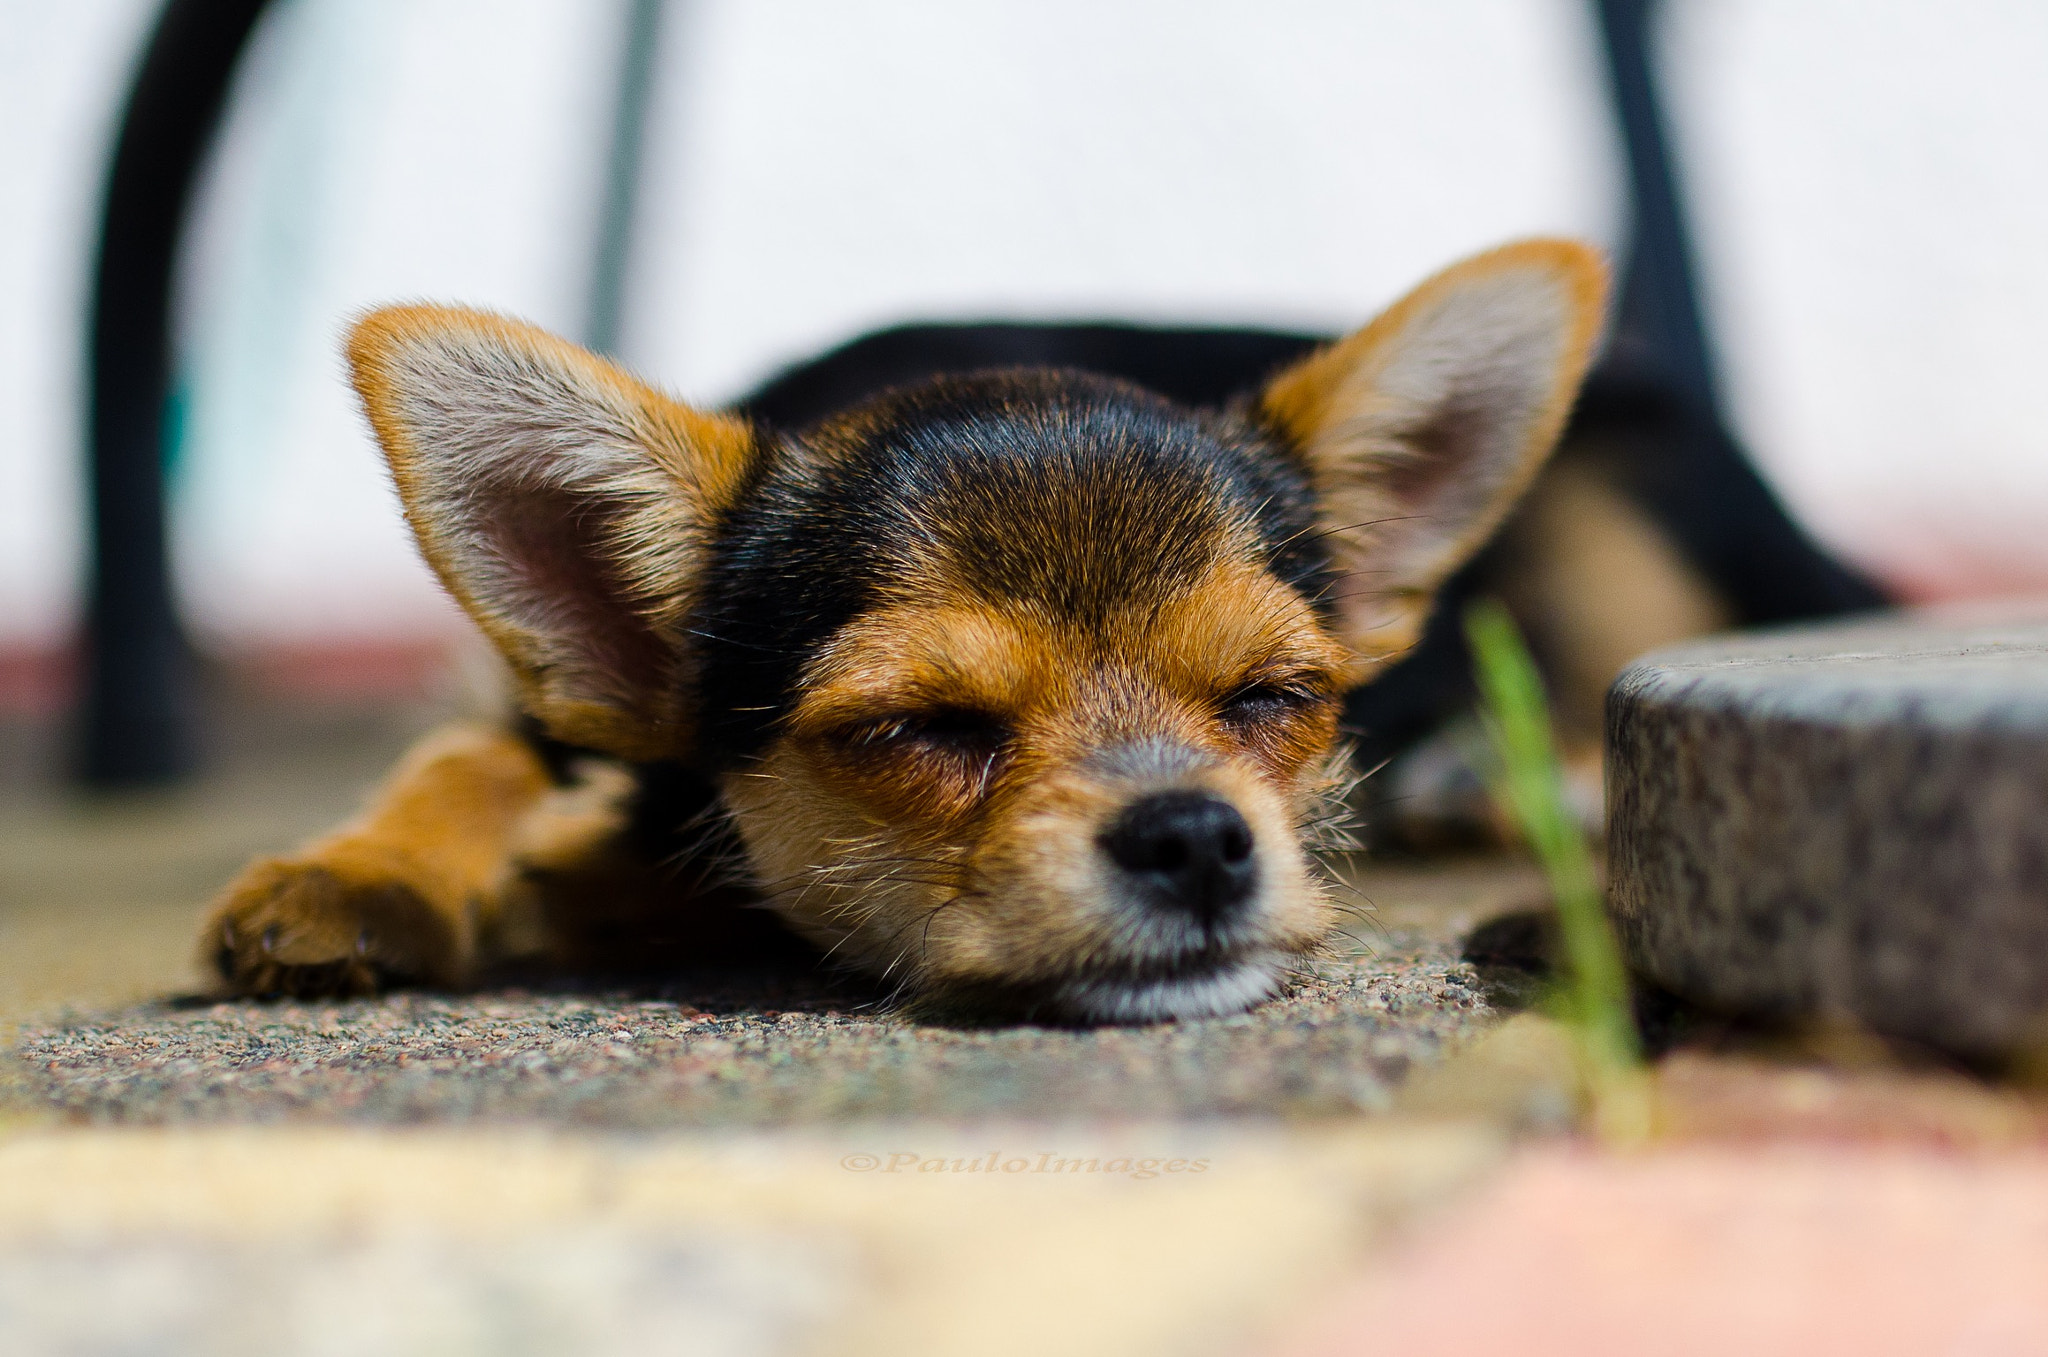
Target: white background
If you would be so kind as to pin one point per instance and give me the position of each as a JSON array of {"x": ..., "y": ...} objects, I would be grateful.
[{"x": 1866, "y": 177}]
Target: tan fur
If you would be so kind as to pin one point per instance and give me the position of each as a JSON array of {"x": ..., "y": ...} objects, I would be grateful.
[
  {"x": 570, "y": 509},
  {"x": 482, "y": 417},
  {"x": 1422, "y": 429},
  {"x": 407, "y": 889},
  {"x": 990, "y": 875},
  {"x": 1597, "y": 584}
]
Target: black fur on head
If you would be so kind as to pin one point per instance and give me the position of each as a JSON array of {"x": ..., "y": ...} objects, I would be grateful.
[{"x": 1063, "y": 491}]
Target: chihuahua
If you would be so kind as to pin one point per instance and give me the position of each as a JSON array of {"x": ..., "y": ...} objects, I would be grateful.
[{"x": 1019, "y": 688}]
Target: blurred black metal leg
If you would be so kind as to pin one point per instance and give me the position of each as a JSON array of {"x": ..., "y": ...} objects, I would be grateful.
[
  {"x": 1658, "y": 334},
  {"x": 1656, "y": 389},
  {"x": 1650, "y": 420},
  {"x": 137, "y": 716},
  {"x": 635, "y": 98}
]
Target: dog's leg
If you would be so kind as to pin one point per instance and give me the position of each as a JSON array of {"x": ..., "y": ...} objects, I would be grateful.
[{"x": 402, "y": 893}]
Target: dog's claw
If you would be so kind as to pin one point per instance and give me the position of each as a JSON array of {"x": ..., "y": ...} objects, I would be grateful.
[{"x": 303, "y": 929}]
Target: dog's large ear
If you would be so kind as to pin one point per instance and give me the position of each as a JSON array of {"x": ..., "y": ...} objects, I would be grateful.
[
  {"x": 1420, "y": 430},
  {"x": 568, "y": 507}
]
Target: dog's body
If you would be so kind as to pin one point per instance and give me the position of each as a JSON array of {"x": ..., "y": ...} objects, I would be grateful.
[{"x": 1020, "y": 686}]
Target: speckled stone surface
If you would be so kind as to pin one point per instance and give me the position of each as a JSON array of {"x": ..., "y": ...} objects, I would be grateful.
[
  {"x": 1847, "y": 821},
  {"x": 777, "y": 1050}
]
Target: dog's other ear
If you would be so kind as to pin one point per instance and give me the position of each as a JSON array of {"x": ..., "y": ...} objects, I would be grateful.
[
  {"x": 1420, "y": 430},
  {"x": 568, "y": 507}
]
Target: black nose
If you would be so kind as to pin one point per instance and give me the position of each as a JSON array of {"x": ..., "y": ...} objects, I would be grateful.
[{"x": 1189, "y": 851}]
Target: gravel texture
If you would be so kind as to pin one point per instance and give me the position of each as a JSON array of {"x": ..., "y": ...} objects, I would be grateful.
[
  {"x": 782, "y": 1049},
  {"x": 99, "y": 905}
]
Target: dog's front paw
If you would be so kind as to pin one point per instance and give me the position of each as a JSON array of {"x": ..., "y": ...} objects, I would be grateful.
[{"x": 309, "y": 929}]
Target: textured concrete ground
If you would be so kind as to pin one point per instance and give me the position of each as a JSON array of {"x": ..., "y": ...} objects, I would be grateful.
[
  {"x": 1340, "y": 1043},
  {"x": 100, "y": 908},
  {"x": 747, "y": 1163},
  {"x": 769, "y": 1164}
]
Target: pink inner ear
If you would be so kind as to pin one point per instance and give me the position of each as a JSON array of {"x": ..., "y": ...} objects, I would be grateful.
[
  {"x": 1453, "y": 473},
  {"x": 552, "y": 546}
]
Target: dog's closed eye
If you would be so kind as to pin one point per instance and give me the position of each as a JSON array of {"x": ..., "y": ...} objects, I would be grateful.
[
  {"x": 1262, "y": 701},
  {"x": 944, "y": 730},
  {"x": 1036, "y": 643},
  {"x": 951, "y": 752},
  {"x": 956, "y": 746}
]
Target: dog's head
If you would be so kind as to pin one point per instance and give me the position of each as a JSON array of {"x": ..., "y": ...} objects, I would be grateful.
[{"x": 1020, "y": 686}]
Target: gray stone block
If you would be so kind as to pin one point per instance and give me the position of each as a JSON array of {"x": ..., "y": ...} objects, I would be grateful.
[{"x": 1846, "y": 821}]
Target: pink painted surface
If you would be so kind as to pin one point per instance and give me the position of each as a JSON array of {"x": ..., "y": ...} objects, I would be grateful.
[{"x": 1803, "y": 1250}]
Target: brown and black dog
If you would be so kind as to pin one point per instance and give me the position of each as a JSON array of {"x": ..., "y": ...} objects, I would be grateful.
[{"x": 1019, "y": 687}]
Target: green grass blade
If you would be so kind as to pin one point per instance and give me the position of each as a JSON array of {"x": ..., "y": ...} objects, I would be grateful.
[{"x": 1526, "y": 779}]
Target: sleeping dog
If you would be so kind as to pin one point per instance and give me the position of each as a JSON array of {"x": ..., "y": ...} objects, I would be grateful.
[{"x": 1019, "y": 687}]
